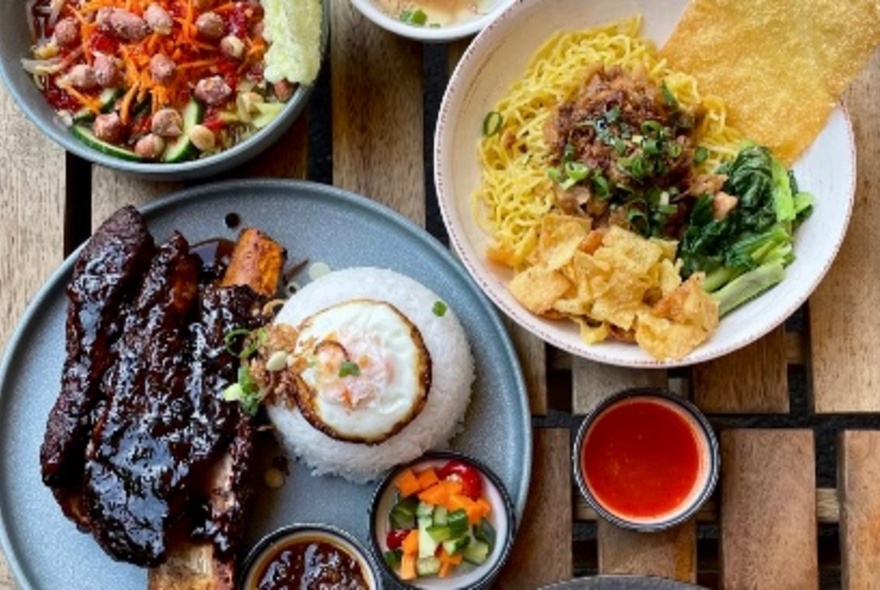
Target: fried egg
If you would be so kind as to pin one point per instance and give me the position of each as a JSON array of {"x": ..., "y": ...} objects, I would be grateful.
[{"x": 362, "y": 370}]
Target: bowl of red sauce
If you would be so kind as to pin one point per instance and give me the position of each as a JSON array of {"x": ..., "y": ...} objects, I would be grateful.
[
  {"x": 309, "y": 556},
  {"x": 646, "y": 459}
]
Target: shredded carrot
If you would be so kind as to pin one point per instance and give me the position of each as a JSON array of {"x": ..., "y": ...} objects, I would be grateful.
[
  {"x": 125, "y": 105},
  {"x": 89, "y": 102}
]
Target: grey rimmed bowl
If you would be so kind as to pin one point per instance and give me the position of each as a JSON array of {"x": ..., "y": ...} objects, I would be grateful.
[
  {"x": 15, "y": 44},
  {"x": 264, "y": 550},
  {"x": 710, "y": 455},
  {"x": 504, "y": 521}
]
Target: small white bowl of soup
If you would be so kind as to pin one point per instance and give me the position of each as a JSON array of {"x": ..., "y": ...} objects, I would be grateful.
[{"x": 432, "y": 20}]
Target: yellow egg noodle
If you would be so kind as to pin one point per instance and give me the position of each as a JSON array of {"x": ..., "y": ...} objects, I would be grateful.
[{"x": 515, "y": 192}]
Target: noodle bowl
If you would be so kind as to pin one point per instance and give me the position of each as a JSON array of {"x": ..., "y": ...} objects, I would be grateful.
[{"x": 515, "y": 192}]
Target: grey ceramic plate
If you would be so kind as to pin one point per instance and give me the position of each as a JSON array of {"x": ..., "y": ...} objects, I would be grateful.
[
  {"x": 621, "y": 583},
  {"x": 313, "y": 221}
]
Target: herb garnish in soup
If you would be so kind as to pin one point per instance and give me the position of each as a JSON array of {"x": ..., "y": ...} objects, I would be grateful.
[
  {"x": 432, "y": 13},
  {"x": 170, "y": 80}
]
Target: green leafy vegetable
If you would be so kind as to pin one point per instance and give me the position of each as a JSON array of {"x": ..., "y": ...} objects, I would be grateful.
[{"x": 745, "y": 252}]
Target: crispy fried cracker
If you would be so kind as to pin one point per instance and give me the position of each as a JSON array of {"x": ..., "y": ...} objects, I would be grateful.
[{"x": 781, "y": 66}]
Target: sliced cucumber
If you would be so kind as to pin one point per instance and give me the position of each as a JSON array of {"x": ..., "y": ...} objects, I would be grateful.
[
  {"x": 456, "y": 545},
  {"x": 484, "y": 531},
  {"x": 182, "y": 148},
  {"x": 424, "y": 509},
  {"x": 428, "y": 566},
  {"x": 85, "y": 135},
  {"x": 441, "y": 516},
  {"x": 439, "y": 532},
  {"x": 458, "y": 522},
  {"x": 403, "y": 514},
  {"x": 477, "y": 552},
  {"x": 427, "y": 545},
  {"x": 108, "y": 100}
]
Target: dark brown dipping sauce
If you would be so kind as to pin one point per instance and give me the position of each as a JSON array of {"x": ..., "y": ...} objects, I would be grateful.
[{"x": 309, "y": 564}]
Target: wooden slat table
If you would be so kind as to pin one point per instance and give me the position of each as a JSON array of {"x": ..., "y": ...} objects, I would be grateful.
[{"x": 798, "y": 505}]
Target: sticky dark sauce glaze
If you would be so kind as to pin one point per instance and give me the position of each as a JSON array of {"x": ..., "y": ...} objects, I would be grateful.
[{"x": 310, "y": 564}]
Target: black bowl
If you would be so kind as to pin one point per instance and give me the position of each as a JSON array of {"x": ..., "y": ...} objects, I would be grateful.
[{"x": 504, "y": 521}]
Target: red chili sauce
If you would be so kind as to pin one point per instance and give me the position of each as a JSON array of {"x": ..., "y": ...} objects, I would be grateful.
[
  {"x": 641, "y": 459},
  {"x": 311, "y": 564}
]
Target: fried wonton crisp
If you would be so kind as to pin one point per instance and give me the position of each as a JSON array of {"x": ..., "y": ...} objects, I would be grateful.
[
  {"x": 781, "y": 66},
  {"x": 615, "y": 283}
]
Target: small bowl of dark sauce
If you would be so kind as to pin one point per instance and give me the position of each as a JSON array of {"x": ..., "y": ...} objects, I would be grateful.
[
  {"x": 309, "y": 556},
  {"x": 646, "y": 459}
]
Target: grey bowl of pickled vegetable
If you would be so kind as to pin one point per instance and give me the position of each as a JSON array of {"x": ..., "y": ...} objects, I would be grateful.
[
  {"x": 441, "y": 521},
  {"x": 102, "y": 86}
]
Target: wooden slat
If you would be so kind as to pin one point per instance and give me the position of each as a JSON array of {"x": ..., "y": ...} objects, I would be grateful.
[
  {"x": 376, "y": 82},
  {"x": 768, "y": 514},
  {"x": 112, "y": 190},
  {"x": 752, "y": 380},
  {"x": 532, "y": 354},
  {"x": 668, "y": 554},
  {"x": 844, "y": 330},
  {"x": 31, "y": 220},
  {"x": 593, "y": 382},
  {"x": 542, "y": 553},
  {"x": 31, "y": 211},
  {"x": 859, "y": 472},
  {"x": 288, "y": 157}
]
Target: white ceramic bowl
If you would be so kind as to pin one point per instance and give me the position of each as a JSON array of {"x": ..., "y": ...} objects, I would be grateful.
[
  {"x": 497, "y": 57},
  {"x": 488, "y": 9}
]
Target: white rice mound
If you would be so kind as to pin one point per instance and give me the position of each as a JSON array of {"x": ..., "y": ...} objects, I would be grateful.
[{"x": 451, "y": 380}]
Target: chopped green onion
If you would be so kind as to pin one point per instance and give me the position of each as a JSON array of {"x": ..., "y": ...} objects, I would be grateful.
[
  {"x": 439, "y": 309},
  {"x": 668, "y": 209},
  {"x": 613, "y": 114},
  {"x": 568, "y": 153},
  {"x": 348, "y": 368},
  {"x": 555, "y": 175},
  {"x": 673, "y": 149},
  {"x": 602, "y": 186},
  {"x": 252, "y": 341},
  {"x": 650, "y": 126},
  {"x": 700, "y": 155},
  {"x": 668, "y": 96},
  {"x": 619, "y": 146},
  {"x": 492, "y": 124},
  {"x": 576, "y": 171},
  {"x": 233, "y": 393},
  {"x": 414, "y": 17}
]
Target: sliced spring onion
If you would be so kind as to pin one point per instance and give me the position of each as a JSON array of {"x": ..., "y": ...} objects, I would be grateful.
[
  {"x": 613, "y": 114},
  {"x": 669, "y": 97},
  {"x": 700, "y": 155},
  {"x": 651, "y": 126},
  {"x": 416, "y": 17},
  {"x": 492, "y": 124},
  {"x": 348, "y": 368},
  {"x": 439, "y": 309}
]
